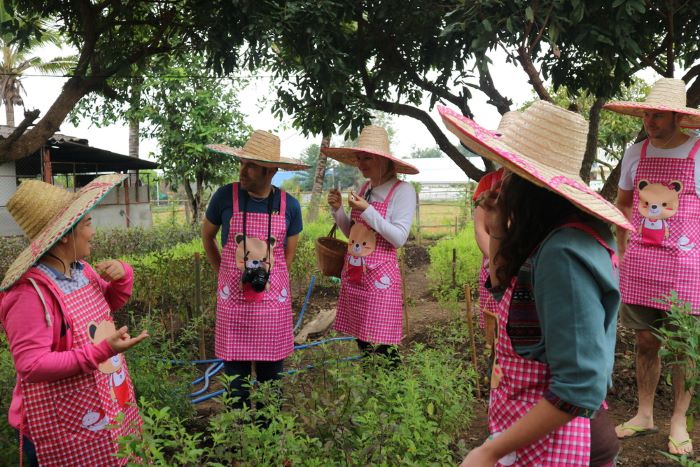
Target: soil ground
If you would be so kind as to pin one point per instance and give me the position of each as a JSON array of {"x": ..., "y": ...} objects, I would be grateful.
[{"x": 424, "y": 312}]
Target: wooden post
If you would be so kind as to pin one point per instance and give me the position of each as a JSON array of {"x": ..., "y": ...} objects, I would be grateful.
[
  {"x": 418, "y": 234},
  {"x": 454, "y": 267},
  {"x": 456, "y": 225},
  {"x": 198, "y": 303},
  {"x": 127, "y": 212},
  {"x": 470, "y": 327},
  {"x": 46, "y": 165}
]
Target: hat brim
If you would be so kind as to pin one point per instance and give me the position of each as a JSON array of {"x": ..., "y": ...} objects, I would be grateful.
[
  {"x": 349, "y": 156},
  {"x": 87, "y": 198},
  {"x": 485, "y": 143},
  {"x": 691, "y": 117},
  {"x": 284, "y": 163}
]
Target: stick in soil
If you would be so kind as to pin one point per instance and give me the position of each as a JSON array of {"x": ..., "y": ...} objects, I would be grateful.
[{"x": 470, "y": 326}]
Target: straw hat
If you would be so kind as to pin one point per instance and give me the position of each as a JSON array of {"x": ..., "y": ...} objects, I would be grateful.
[
  {"x": 46, "y": 213},
  {"x": 373, "y": 140},
  {"x": 544, "y": 145},
  {"x": 667, "y": 94},
  {"x": 262, "y": 148}
]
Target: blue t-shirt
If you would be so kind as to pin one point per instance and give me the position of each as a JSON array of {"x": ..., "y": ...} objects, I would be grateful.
[{"x": 220, "y": 209}]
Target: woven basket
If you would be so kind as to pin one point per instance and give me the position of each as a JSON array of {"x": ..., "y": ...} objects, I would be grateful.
[{"x": 330, "y": 253}]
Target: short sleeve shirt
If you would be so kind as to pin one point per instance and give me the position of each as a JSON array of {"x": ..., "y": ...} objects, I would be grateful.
[
  {"x": 220, "y": 209},
  {"x": 630, "y": 161}
]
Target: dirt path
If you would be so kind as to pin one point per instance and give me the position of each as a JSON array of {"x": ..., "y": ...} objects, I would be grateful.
[{"x": 425, "y": 312}]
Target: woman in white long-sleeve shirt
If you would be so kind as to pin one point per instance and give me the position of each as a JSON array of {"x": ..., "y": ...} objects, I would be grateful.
[{"x": 370, "y": 306}]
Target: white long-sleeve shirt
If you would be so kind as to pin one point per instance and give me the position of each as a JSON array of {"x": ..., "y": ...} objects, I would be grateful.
[{"x": 399, "y": 215}]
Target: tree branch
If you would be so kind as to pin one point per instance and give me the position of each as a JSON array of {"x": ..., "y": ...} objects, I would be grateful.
[
  {"x": 592, "y": 141},
  {"x": 440, "y": 138},
  {"x": 487, "y": 87},
  {"x": 526, "y": 62}
]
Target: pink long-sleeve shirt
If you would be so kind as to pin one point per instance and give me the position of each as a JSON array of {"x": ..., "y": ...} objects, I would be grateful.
[{"x": 40, "y": 352}]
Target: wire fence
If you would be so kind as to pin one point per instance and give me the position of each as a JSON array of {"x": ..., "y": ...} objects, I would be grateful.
[{"x": 439, "y": 212}]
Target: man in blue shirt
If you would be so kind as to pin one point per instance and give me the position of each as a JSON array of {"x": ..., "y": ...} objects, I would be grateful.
[{"x": 260, "y": 226}]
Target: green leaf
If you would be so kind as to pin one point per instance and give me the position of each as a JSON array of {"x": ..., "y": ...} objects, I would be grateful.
[{"x": 529, "y": 14}]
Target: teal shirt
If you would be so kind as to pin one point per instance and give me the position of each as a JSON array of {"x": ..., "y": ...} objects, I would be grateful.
[{"x": 577, "y": 298}]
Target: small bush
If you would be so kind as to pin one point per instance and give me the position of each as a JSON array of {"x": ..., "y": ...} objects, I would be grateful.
[
  {"x": 467, "y": 266},
  {"x": 9, "y": 441},
  {"x": 358, "y": 414},
  {"x": 115, "y": 243}
]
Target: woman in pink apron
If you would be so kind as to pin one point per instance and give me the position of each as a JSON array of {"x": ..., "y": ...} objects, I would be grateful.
[
  {"x": 72, "y": 379},
  {"x": 554, "y": 272},
  {"x": 370, "y": 305},
  {"x": 254, "y": 303}
]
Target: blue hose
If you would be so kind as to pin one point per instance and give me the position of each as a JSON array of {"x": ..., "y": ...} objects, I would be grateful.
[
  {"x": 288, "y": 372},
  {"x": 324, "y": 341},
  {"x": 306, "y": 302},
  {"x": 212, "y": 370}
]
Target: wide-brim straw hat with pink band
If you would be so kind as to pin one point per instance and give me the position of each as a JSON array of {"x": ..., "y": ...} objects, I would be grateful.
[
  {"x": 373, "y": 140},
  {"x": 263, "y": 149},
  {"x": 46, "y": 213},
  {"x": 545, "y": 145},
  {"x": 667, "y": 95}
]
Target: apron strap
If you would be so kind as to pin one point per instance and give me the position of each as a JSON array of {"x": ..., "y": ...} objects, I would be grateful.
[
  {"x": 283, "y": 203},
  {"x": 235, "y": 198},
  {"x": 391, "y": 192},
  {"x": 645, "y": 145},
  {"x": 696, "y": 147},
  {"x": 363, "y": 189},
  {"x": 47, "y": 316}
]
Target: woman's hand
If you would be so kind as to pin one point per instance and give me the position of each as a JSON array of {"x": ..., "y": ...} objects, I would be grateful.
[
  {"x": 121, "y": 341},
  {"x": 357, "y": 202},
  {"x": 335, "y": 199},
  {"x": 110, "y": 270}
]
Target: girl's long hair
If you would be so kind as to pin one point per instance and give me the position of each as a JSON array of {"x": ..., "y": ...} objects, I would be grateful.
[{"x": 530, "y": 213}]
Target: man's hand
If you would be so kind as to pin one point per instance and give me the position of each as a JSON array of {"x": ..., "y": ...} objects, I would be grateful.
[
  {"x": 357, "y": 202},
  {"x": 121, "y": 341},
  {"x": 110, "y": 270},
  {"x": 335, "y": 199}
]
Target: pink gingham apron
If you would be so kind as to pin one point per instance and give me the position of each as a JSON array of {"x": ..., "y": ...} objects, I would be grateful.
[
  {"x": 67, "y": 419},
  {"x": 254, "y": 329},
  {"x": 651, "y": 269},
  {"x": 486, "y": 300},
  {"x": 523, "y": 384},
  {"x": 372, "y": 309}
]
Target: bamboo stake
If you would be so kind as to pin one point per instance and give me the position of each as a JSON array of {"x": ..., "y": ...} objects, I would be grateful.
[{"x": 470, "y": 326}]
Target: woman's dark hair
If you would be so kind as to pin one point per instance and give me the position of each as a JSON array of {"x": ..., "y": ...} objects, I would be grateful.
[{"x": 532, "y": 213}]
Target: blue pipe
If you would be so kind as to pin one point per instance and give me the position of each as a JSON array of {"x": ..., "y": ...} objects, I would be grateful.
[
  {"x": 324, "y": 341},
  {"x": 288, "y": 372},
  {"x": 212, "y": 370},
  {"x": 306, "y": 302}
]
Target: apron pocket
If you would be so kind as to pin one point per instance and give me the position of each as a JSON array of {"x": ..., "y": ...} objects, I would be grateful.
[{"x": 82, "y": 413}]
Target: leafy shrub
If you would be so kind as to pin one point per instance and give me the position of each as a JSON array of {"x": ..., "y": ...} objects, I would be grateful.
[
  {"x": 115, "y": 243},
  {"x": 10, "y": 247},
  {"x": 359, "y": 414},
  {"x": 8, "y": 439},
  {"x": 468, "y": 264}
]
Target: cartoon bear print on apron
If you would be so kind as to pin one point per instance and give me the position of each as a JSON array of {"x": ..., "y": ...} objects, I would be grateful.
[
  {"x": 370, "y": 306},
  {"x": 252, "y": 324},
  {"x": 517, "y": 384},
  {"x": 67, "y": 419},
  {"x": 663, "y": 254}
]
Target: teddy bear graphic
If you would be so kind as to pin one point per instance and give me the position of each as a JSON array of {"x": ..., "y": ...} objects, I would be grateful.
[
  {"x": 657, "y": 203},
  {"x": 255, "y": 254},
  {"x": 114, "y": 366},
  {"x": 361, "y": 243}
]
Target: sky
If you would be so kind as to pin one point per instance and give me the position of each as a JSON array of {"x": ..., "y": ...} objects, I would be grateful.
[
  {"x": 41, "y": 91},
  {"x": 511, "y": 81}
]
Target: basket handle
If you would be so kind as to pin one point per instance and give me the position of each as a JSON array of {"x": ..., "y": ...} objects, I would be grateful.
[{"x": 333, "y": 229}]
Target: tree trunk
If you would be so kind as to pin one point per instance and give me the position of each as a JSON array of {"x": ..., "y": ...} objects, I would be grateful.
[
  {"x": 134, "y": 138},
  {"x": 609, "y": 190},
  {"x": 319, "y": 177},
  {"x": 28, "y": 142},
  {"x": 592, "y": 142},
  {"x": 9, "y": 112},
  {"x": 191, "y": 201}
]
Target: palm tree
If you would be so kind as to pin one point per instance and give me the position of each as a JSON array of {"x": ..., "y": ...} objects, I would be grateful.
[{"x": 19, "y": 58}]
